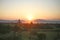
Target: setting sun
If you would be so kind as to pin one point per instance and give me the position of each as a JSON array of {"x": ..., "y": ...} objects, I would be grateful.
[{"x": 29, "y": 17}]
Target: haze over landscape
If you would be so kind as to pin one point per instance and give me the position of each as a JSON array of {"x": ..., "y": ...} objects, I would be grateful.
[
  {"x": 29, "y": 19},
  {"x": 24, "y": 9}
]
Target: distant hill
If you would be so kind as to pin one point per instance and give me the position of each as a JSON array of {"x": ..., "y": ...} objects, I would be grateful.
[
  {"x": 34, "y": 21},
  {"x": 46, "y": 21},
  {"x": 10, "y": 21}
]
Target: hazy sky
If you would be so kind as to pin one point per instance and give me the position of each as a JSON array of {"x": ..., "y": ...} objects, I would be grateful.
[{"x": 38, "y": 9}]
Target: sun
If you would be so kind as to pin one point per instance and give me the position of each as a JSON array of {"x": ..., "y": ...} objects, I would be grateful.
[{"x": 30, "y": 17}]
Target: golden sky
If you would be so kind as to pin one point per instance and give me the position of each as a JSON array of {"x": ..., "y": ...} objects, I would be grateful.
[{"x": 37, "y": 9}]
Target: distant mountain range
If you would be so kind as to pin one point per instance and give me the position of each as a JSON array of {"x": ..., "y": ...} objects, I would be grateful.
[
  {"x": 10, "y": 21},
  {"x": 46, "y": 21},
  {"x": 34, "y": 21}
]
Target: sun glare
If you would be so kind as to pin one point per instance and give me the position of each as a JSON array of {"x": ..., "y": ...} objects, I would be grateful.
[{"x": 30, "y": 17}]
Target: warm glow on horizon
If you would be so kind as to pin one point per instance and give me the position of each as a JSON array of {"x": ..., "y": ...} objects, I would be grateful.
[
  {"x": 29, "y": 9},
  {"x": 29, "y": 17}
]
